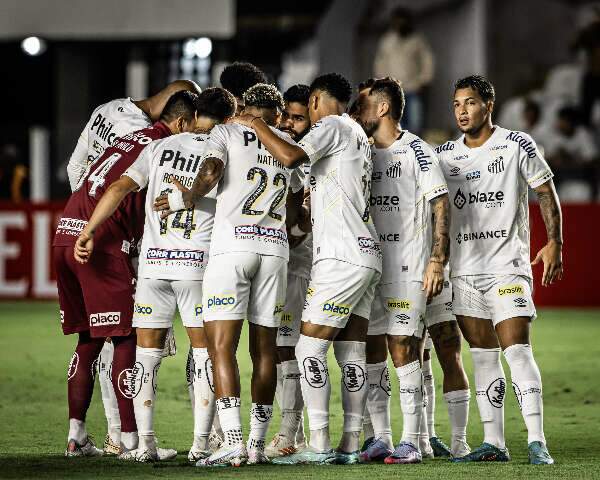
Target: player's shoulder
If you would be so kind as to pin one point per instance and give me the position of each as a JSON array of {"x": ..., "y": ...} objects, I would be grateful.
[
  {"x": 446, "y": 149},
  {"x": 516, "y": 139}
]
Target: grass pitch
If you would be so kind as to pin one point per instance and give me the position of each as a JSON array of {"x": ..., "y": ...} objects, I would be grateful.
[{"x": 33, "y": 413}]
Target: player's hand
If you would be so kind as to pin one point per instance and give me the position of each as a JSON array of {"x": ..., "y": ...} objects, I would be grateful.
[
  {"x": 245, "y": 119},
  {"x": 84, "y": 246},
  {"x": 161, "y": 203},
  {"x": 551, "y": 255},
  {"x": 433, "y": 280}
]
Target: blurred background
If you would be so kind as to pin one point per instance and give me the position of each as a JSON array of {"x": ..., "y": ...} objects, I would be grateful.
[{"x": 61, "y": 59}]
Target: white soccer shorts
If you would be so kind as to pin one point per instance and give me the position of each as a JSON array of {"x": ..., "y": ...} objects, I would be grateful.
[
  {"x": 399, "y": 309},
  {"x": 241, "y": 285},
  {"x": 338, "y": 289},
  {"x": 156, "y": 301},
  {"x": 289, "y": 330},
  {"x": 440, "y": 308},
  {"x": 495, "y": 297}
]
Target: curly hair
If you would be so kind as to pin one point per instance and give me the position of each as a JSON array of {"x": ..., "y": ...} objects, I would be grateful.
[
  {"x": 480, "y": 84},
  {"x": 240, "y": 76},
  {"x": 335, "y": 85},
  {"x": 263, "y": 95}
]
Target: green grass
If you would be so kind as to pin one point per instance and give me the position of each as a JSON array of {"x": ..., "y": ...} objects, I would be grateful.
[{"x": 33, "y": 411}]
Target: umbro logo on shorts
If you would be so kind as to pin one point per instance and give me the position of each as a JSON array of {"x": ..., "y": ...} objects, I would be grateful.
[
  {"x": 511, "y": 290},
  {"x": 285, "y": 331},
  {"x": 403, "y": 318},
  {"x": 520, "y": 302},
  {"x": 221, "y": 301},
  {"x": 105, "y": 318}
]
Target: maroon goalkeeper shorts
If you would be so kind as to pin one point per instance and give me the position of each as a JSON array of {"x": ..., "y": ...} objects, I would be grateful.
[{"x": 97, "y": 296}]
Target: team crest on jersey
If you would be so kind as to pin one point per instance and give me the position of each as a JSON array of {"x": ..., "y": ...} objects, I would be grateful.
[
  {"x": 394, "y": 170},
  {"x": 496, "y": 165}
]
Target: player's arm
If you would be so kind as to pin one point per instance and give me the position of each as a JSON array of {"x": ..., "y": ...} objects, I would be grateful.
[
  {"x": 288, "y": 154},
  {"x": 433, "y": 280},
  {"x": 210, "y": 173},
  {"x": 107, "y": 205},
  {"x": 551, "y": 253},
  {"x": 79, "y": 159}
]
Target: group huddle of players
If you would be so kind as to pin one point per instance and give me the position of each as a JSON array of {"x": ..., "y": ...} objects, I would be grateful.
[{"x": 314, "y": 216}]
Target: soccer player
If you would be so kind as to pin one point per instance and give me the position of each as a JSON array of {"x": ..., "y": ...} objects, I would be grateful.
[
  {"x": 488, "y": 170},
  {"x": 295, "y": 122},
  {"x": 408, "y": 190},
  {"x": 96, "y": 297},
  {"x": 107, "y": 123},
  {"x": 346, "y": 264},
  {"x": 246, "y": 273},
  {"x": 174, "y": 254},
  {"x": 238, "y": 78}
]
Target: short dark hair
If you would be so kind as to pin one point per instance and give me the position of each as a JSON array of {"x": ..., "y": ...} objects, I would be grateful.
[
  {"x": 335, "y": 85},
  {"x": 181, "y": 104},
  {"x": 297, "y": 93},
  {"x": 392, "y": 89},
  {"x": 480, "y": 84},
  {"x": 368, "y": 83},
  {"x": 263, "y": 95},
  {"x": 570, "y": 114},
  {"x": 240, "y": 76},
  {"x": 216, "y": 103}
]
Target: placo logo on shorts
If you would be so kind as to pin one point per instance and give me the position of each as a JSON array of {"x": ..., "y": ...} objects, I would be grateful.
[
  {"x": 141, "y": 309},
  {"x": 332, "y": 308},
  {"x": 511, "y": 290},
  {"x": 105, "y": 318},
  {"x": 198, "y": 309},
  {"x": 398, "y": 304},
  {"x": 226, "y": 301}
]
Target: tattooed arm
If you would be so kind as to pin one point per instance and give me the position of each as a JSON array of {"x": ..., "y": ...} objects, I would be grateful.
[
  {"x": 433, "y": 279},
  {"x": 551, "y": 253},
  {"x": 208, "y": 176}
]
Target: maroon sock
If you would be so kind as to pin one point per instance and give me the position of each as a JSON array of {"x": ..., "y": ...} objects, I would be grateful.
[
  {"x": 81, "y": 375},
  {"x": 122, "y": 378}
]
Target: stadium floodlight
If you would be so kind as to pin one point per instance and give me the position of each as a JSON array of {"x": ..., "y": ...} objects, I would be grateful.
[
  {"x": 33, "y": 46},
  {"x": 197, "y": 47}
]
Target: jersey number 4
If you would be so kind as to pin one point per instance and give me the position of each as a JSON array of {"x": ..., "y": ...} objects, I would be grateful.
[
  {"x": 278, "y": 180},
  {"x": 97, "y": 177},
  {"x": 187, "y": 225}
]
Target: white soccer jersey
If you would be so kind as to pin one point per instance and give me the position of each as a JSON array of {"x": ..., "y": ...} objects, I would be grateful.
[
  {"x": 250, "y": 215},
  {"x": 300, "y": 262},
  {"x": 107, "y": 123},
  {"x": 406, "y": 176},
  {"x": 175, "y": 248},
  {"x": 340, "y": 181},
  {"x": 489, "y": 227}
]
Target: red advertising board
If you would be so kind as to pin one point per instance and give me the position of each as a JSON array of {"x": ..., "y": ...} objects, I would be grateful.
[{"x": 26, "y": 271}]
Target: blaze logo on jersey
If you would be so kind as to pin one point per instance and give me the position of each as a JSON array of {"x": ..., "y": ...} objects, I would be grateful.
[
  {"x": 487, "y": 199},
  {"x": 353, "y": 377},
  {"x": 398, "y": 304},
  {"x": 511, "y": 290},
  {"x": 459, "y": 199},
  {"x": 315, "y": 372},
  {"x": 105, "y": 318},
  {"x": 140, "y": 309},
  {"x": 198, "y": 309},
  {"x": 225, "y": 301},
  {"x": 496, "y": 165},
  {"x": 340, "y": 310}
]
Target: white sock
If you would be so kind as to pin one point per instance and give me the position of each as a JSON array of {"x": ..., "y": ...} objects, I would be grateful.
[
  {"x": 279, "y": 386},
  {"x": 311, "y": 354},
  {"x": 129, "y": 440},
  {"x": 368, "y": 431},
  {"x": 378, "y": 401},
  {"x": 291, "y": 402},
  {"x": 527, "y": 385},
  {"x": 490, "y": 387},
  {"x": 109, "y": 399},
  {"x": 143, "y": 402},
  {"x": 411, "y": 400},
  {"x": 260, "y": 418},
  {"x": 458, "y": 413},
  {"x": 189, "y": 376},
  {"x": 429, "y": 388},
  {"x": 216, "y": 426},
  {"x": 423, "y": 432},
  {"x": 300, "y": 437},
  {"x": 204, "y": 408},
  {"x": 229, "y": 410},
  {"x": 77, "y": 430}
]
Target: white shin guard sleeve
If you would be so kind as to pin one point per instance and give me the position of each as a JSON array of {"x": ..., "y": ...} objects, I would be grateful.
[
  {"x": 291, "y": 399},
  {"x": 311, "y": 354},
  {"x": 378, "y": 398},
  {"x": 109, "y": 399},
  {"x": 490, "y": 387},
  {"x": 204, "y": 406},
  {"x": 147, "y": 363},
  {"x": 410, "y": 378},
  {"x": 352, "y": 359},
  {"x": 527, "y": 385},
  {"x": 189, "y": 377},
  {"x": 429, "y": 389}
]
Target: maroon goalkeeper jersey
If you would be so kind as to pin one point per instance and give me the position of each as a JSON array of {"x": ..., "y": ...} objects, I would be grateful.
[{"x": 125, "y": 227}]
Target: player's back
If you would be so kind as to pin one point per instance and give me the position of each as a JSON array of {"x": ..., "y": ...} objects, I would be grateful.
[
  {"x": 176, "y": 247},
  {"x": 250, "y": 214},
  {"x": 126, "y": 224}
]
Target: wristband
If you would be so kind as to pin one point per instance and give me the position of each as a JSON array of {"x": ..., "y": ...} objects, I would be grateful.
[
  {"x": 296, "y": 231},
  {"x": 176, "y": 201}
]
